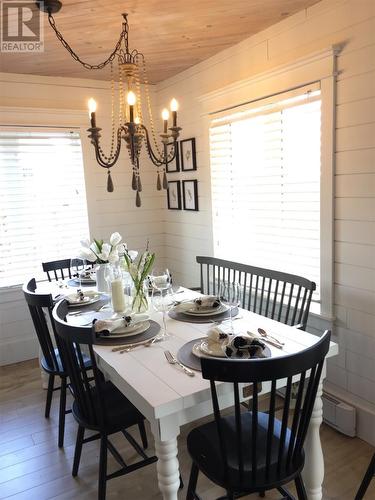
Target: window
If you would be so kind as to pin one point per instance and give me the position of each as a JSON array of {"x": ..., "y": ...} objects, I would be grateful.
[
  {"x": 265, "y": 170},
  {"x": 43, "y": 209}
]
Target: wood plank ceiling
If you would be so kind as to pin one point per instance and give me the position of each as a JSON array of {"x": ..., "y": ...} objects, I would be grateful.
[{"x": 173, "y": 35}]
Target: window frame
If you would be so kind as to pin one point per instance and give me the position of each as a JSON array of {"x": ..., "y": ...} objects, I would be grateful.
[
  {"x": 42, "y": 119},
  {"x": 266, "y": 108},
  {"x": 319, "y": 67}
]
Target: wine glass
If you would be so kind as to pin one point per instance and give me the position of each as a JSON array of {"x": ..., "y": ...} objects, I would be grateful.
[
  {"x": 161, "y": 278},
  {"x": 163, "y": 301},
  {"x": 78, "y": 269},
  {"x": 230, "y": 295}
]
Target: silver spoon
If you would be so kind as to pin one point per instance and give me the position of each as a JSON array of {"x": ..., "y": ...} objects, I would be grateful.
[{"x": 264, "y": 334}]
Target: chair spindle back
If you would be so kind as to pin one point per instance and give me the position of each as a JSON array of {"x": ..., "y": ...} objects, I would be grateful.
[
  {"x": 72, "y": 338},
  {"x": 37, "y": 304},
  {"x": 262, "y": 441},
  {"x": 280, "y": 296}
]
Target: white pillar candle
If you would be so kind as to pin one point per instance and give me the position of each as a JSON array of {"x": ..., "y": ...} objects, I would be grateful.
[{"x": 118, "y": 298}]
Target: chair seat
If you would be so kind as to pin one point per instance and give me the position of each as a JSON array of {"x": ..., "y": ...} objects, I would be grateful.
[
  {"x": 49, "y": 369},
  {"x": 204, "y": 447},
  {"x": 120, "y": 412}
]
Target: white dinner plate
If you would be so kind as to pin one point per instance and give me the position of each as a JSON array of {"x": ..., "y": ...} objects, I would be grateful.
[
  {"x": 211, "y": 349},
  {"x": 89, "y": 298},
  {"x": 206, "y": 312},
  {"x": 124, "y": 331},
  {"x": 197, "y": 351},
  {"x": 85, "y": 280}
]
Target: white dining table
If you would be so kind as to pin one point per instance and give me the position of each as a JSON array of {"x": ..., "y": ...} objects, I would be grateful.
[{"x": 168, "y": 398}]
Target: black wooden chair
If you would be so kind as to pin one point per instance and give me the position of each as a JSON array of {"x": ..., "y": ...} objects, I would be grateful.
[
  {"x": 52, "y": 363},
  {"x": 252, "y": 451},
  {"x": 98, "y": 404},
  {"x": 370, "y": 473},
  {"x": 59, "y": 269},
  {"x": 276, "y": 295}
]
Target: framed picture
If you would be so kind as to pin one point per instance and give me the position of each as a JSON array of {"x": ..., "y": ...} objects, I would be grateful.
[
  {"x": 190, "y": 194},
  {"x": 174, "y": 166},
  {"x": 174, "y": 195},
  {"x": 187, "y": 155}
]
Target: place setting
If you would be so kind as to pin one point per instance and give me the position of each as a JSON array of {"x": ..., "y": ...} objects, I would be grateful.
[
  {"x": 223, "y": 342},
  {"x": 123, "y": 320},
  {"x": 83, "y": 274},
  {"x": 209, "y": 308},
  {"x": 127, "y": 331}
]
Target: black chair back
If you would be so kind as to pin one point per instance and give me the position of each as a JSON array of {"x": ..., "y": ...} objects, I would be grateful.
[
  {"x": 61, "y": 269},
  {"x": 37, "y": 304},
  {"x": 274, "y": 446},
  {"x": 276, "y": 295},
  {"x": 72, "y": 338}
]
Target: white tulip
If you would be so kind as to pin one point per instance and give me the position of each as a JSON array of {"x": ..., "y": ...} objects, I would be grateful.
[
  {"x": 113, "y": 257},
  {"x": 132, "y": 255},
  {"x": 85, "y": 243},
  {"x": 115, "y": 239},
  {"x": 94, "y": 247},
  {"x": 103, "y": 256},
  {"x": 87, "y": 254},
  {"x": 106, "y": 248}
]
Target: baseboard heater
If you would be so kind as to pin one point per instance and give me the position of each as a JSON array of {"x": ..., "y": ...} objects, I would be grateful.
[
  {"x": 336, "y": 413},
  {"x": 339, "y": 415}
]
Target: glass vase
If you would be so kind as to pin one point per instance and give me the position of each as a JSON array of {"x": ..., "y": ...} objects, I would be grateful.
[{"x": 139, "y": 299}]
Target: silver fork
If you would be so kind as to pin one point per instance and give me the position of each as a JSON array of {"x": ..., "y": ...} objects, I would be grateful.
[
  {"x": 219, "y": 322},
  {"x": 96, "y": 309},
  {"x": 174, "y": 361},
  {"x": 130, "y": 347}
]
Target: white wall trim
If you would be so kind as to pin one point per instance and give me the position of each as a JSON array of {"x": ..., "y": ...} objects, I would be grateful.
[
  {"x": 37, "y": 80},
  {"x": 31, "y": 117},
  {"x": 323, "y": 57}
]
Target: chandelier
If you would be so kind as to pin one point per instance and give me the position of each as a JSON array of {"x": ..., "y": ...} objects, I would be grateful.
[{"x": 128, "y": 127}]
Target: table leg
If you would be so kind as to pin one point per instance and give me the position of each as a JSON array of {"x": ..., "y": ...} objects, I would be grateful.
[
  {"x": 167, "y": 467},
  {"x": 313, "y": 472}
]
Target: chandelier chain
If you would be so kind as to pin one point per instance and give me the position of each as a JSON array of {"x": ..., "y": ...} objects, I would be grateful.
[{"x": 75, "y": 56}]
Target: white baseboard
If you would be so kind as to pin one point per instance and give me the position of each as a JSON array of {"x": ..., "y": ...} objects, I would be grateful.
[
  {"x": 365, "y": 412},
  {"x": 14, "y": 351}
]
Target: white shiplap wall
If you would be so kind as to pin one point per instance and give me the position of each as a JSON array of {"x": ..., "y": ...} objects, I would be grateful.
[
  {"x": 33, "y": 100},
  {"x": 347, "y": 22}
]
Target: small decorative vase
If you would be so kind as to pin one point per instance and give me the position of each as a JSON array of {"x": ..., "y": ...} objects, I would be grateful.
[
  {"x": 101, "y": 271},
  {"x": 139, "y": 300}
]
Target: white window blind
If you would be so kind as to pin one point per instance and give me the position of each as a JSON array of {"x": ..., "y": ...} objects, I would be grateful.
[
  {"x": 265, "y": 177},
  {"x": 43, "y": 209}
]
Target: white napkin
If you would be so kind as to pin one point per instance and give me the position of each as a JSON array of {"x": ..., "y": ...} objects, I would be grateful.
[
  {"x": 238, "y": 345},
  {"x": 107, "y": 326},
  {"x": 80, "y": 296},
  {"x": 207, "y": 302},
  {"x": 86, "y": 274},
  {"x": 219, "y": 334}
]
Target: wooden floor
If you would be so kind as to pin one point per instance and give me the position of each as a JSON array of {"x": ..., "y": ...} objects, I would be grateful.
[{"x": 32, "y": 466}]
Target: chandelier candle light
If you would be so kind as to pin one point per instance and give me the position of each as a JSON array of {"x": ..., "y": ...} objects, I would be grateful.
[{"x": 130, "y": 127}]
